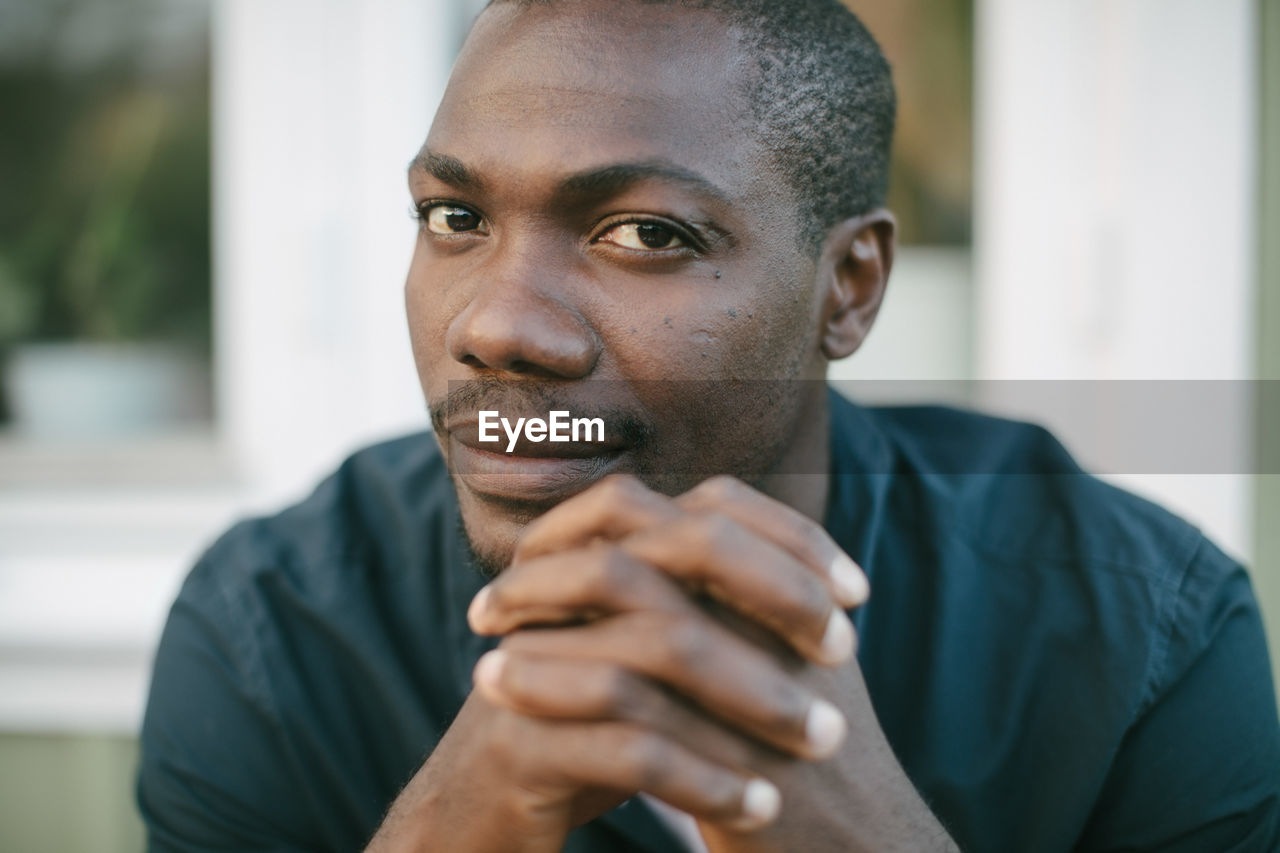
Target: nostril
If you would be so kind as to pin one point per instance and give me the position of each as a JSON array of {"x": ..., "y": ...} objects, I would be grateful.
[
  {"x": 533, "y": 370},
  {"x": 522, "y": 367}
]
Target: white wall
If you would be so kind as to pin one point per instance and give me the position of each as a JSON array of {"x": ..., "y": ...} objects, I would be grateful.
[
  {"x": 317, "y": 112},
  {"x": 1115, "y": 206}
]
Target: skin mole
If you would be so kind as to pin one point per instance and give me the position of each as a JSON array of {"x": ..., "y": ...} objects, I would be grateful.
[{"x": 703, "y": 337}]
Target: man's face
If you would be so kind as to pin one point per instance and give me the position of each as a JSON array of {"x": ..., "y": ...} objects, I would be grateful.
[{"x": 602, "y": 233}]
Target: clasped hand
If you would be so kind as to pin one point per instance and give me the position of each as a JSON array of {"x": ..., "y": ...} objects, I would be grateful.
[{"x": 668, "y": 645}]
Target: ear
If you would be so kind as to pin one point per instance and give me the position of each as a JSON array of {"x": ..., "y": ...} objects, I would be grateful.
[{"x": 854, "y": 268}]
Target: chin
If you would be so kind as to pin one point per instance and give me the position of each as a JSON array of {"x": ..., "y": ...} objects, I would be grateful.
[{"x": 492, "y": 528}]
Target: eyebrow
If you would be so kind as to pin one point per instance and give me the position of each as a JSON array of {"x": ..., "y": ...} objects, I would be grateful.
[
  {"x": 618, "y": 177},
  {"x": 447, "y": 170},
  {"x": 602, "y": 181}
]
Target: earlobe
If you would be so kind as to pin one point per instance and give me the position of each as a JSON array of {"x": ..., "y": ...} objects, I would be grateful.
[{"x": 855, "y": 264}]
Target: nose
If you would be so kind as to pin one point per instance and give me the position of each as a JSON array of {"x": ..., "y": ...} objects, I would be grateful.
[{"x": 518, "y": 323}]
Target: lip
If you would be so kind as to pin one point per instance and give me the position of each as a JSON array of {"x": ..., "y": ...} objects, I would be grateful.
[{"x": 533, "y": 473}]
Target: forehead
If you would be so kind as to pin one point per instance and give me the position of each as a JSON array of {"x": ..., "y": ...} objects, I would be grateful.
[{"x": 564, "y": 86}]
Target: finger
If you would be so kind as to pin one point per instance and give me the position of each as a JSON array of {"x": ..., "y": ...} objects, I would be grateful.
[
  {"x": 571, "y": 587},
  {"x": 750, "y": 575},
  {"x": 623, "y": 756},
  {"x": 614, "y": 507},
  {"x": 706, "y": 552},
  {"x": 787, "y": 528},
  {"x": 792, "y": 603},
  {"x": 588, "y": 690},
  {"x": 727, "y": 676},
  {"x": 621, "y": 504}
]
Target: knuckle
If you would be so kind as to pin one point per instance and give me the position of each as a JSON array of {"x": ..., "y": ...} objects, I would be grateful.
[
  {"x": 803, "y": 603},
  {"x": 723, "y": 792},
  {"x": 786, "y": 710},
  {"x": 617, "y": 488},
  {"x": 646, "y": 756},
  {"x": 810, "y": 540},
  {"x": 712, "y": 532},
  {"x": 609, "y": 574},
  {"x": 685, "y": 643},
  {"x": 814, "y": 600},
  {"x": 618, "y": 692},
  {"x": 721, "y": 488}
]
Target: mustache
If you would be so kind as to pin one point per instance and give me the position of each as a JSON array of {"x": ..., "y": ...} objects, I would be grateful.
[{"x": 525, "y": 397}]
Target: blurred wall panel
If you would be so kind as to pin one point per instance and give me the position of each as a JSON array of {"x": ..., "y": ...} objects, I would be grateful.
[
  {"x": 1115, "y": 204},
  {"x": 316, "y": 117},
  {"x": 1268, "y": 512},
  {"x": 1114, "y": 214}
]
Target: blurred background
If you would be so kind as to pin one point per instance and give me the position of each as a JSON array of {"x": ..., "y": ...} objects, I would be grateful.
[{"x": 204, "y": 231}]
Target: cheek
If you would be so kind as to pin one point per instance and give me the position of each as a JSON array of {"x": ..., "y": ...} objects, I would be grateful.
[
  {"x": 427, "y": 313},
  {"x": 773, "y": 338},
  {"x": 416, "y": 310},
  {"x": 712, "y": 330},
  {"x": 767, "y": 335},
  {"x": 429, "y": 292},
  {"x": 739, "y": 353},
  {"x": 787, "y": 337}
]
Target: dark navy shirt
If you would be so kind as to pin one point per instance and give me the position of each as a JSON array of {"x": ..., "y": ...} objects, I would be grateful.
[{"x": 1058, "y": 665}]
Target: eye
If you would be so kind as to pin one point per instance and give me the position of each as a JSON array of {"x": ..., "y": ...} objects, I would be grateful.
[
  {"x": 643, "y": 236},
  {"x": 444, "y": 218}
]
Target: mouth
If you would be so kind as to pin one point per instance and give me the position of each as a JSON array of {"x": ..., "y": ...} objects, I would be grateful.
[{"x": 532, "y": 473}]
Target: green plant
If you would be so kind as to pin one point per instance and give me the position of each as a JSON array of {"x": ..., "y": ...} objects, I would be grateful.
[{"x": 104, "y": 224}]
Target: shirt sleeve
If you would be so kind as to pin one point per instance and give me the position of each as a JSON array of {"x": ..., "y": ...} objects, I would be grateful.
[
  {"x": 214, "y": 774},
  {"x": 1200, "y": 769}
]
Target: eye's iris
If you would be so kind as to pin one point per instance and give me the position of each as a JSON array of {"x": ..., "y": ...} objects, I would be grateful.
[
  {"x": 447, "y": 219},
  {"x": 460, "y": 220},
  {"x": 654, "y": 236},
  {"x": 644, "y": 236}
]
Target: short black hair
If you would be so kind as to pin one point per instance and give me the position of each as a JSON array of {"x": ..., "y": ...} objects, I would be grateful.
[{"x": 823, "y": 101}]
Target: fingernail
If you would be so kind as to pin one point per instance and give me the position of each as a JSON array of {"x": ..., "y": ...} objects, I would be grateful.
[
  {"x": 824, "y": 728},
  {"x": 849, "y": 580},
  {"x": 837, "y": 642},
  {"x": 761, "y": 801},
  {"x": 488, "y": 669},
  {"x": 475, "y": 613}
]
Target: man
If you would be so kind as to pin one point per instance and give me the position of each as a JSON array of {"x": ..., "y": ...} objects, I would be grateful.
[{"x": 665, "y": 217}]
